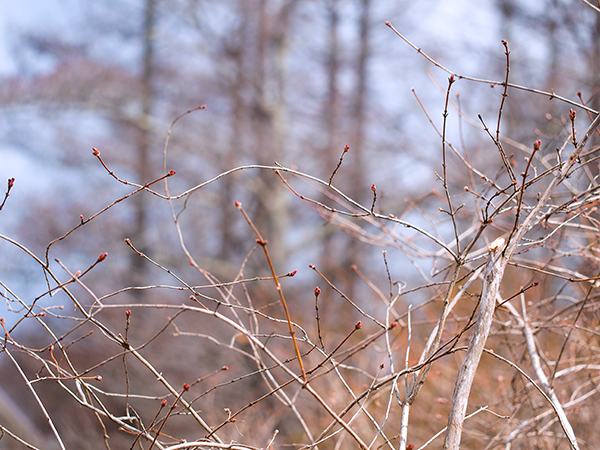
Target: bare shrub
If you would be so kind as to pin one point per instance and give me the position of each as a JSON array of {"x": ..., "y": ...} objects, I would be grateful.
[{"x": 498, "y": 338}]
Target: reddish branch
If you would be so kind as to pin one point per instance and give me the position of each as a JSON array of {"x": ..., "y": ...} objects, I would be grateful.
[{"x": 11, "y": 183}]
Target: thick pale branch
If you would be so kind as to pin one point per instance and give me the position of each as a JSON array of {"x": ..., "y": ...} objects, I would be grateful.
[{"x": 491, "y": 283}]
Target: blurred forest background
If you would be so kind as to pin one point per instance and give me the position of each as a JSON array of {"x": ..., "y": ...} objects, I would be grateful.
[{"x": 286, "y": 81}]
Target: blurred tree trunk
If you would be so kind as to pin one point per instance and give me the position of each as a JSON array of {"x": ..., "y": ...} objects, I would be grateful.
[
  {"x": 357, "y": 188},
  {"x": 262, "y": 125},
  {"x": 139, "y": 236},
  {"x": 280, "y": 208},
  {"x": 269, "y": 121},
  {"x": 329, "y": 260},
  {"x": 594, "y": 70},
  {"x": 230, "y": 240}
]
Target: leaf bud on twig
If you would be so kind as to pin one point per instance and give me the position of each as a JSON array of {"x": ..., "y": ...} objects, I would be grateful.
[{"x": 498, "y": 243}]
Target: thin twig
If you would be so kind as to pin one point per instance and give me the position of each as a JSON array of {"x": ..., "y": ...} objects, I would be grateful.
[
  {"x": 263, "y": 243},
  {"x": 11, "y": 183},
  {"x": 550, "y": 95},
  {"x": 346, "y": 148}
]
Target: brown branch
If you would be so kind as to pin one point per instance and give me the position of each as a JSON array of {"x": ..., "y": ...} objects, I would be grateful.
[
  {"x": 263, "y": 243},
  {"x": 346, "y": 148},
  {"x": 11, "y": 183}
]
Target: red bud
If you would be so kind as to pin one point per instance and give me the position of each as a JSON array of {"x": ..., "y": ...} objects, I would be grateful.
[
  {"x": 95, "y": 152},
  {"x": 317, "y": 290},
  {"x": 102, "y": 256},
  {"x": 186, "y": 387},
  {"x": 172, "y": 172},
  {"x": 358, "y": 325},
  {"x": 164, "y": 403}
]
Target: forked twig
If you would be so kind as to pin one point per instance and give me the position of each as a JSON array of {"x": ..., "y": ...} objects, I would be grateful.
[
  {"x": 550, "y": 95},
  {"x": 451, "y": 210},
  {"x": 263, "y": 243},
  {"x": 37, "y": 399}
]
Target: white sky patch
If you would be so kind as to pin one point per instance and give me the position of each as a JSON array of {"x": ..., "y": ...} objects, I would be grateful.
[
  {"x": 28, "y": 173},
  {"x": 46, "y": 17}
]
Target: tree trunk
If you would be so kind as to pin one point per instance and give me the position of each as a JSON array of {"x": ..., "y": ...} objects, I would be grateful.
[{"x": 139, "y": 236}]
